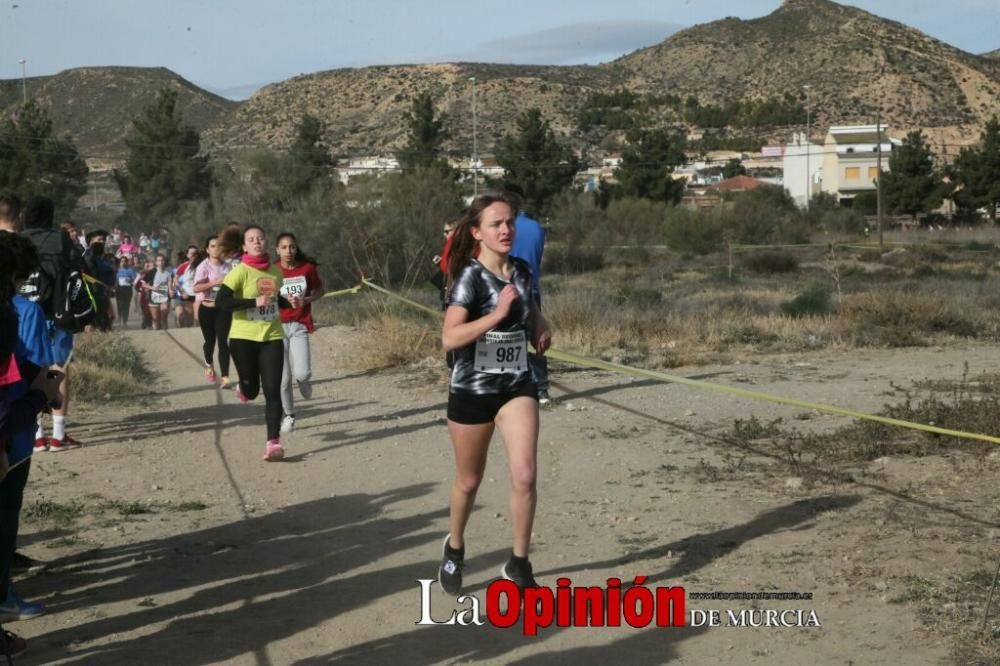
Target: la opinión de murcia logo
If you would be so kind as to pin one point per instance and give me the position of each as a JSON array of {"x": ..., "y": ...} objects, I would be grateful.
[
  {"x": 539, "y": 607},
  {"x": 636, "y": 605}
]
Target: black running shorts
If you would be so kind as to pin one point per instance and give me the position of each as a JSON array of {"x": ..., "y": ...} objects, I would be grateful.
[{"x": 473, "y": 409}]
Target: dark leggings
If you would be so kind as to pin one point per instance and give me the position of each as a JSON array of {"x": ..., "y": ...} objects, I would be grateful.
[
  {"x": 124, "y": 297},
  {"x": 215, "y": 327},
  {"x": 11, "y": 496},
  {"x": 260, "y": 365}
]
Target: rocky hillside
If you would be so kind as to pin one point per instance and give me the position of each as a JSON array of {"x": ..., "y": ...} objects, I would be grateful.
[
  {"x": 854, "y": 61},
  {"x": 96, "y": 105},
  {"x": 364, "y": 109}
]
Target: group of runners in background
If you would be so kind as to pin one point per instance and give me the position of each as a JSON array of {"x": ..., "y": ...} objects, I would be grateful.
[{"x": 254, "y": 312}]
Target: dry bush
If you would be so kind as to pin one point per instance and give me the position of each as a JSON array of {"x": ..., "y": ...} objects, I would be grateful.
[
  {"x": 899, "y": 318},
  {"x": 390, "y": 340},
  {"x": 110, "y": 367}
]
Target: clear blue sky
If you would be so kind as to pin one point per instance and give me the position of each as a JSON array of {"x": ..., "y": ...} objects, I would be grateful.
[{"x": 229, "y": 43}]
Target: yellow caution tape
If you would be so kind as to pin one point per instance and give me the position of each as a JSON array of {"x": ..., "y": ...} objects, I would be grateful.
[
  {"x": 343, "y": 292},
  {"x": 756, "y": 395},
  {"x": 404, "y": 299},
  {"x": 576, "y": 359}
]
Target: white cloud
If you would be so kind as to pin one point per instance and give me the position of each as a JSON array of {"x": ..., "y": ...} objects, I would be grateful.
[{"x": 579, "y": 43}]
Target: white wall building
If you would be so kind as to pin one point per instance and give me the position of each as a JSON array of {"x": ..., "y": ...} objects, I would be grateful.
[
  {"x": 850, "y": 159},
  {"x": 802, "y": 168},
  {"x": 369, "y": 165}
]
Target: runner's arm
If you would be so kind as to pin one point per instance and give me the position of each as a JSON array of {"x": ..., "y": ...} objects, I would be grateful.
[
  {"x": 207, "y": 285},
  {"x": 459, "y": 332},
  {"x": 226, "y": 300}
]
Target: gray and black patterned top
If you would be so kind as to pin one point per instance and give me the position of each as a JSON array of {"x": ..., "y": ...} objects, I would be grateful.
[{"x": 497, "y": 362}]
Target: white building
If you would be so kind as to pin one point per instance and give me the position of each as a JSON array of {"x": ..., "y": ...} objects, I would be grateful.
[
  {"x": 802, "y": 168},
  {"x": 369, "y": 165},
  {"x": 850, "y": 160}
]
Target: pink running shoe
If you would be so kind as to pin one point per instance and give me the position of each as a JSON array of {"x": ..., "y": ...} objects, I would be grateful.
[
  {"x": 239, "y": 394},
  {"x": 273, "y": 451}
]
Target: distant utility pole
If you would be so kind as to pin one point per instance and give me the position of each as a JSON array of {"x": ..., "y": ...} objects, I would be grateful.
[
  {"x": 806, "y": 87},
  {"x": 24, "y": 80},
  {"x": 475, "y": 143},
  {"x": 878, "y": 170}
]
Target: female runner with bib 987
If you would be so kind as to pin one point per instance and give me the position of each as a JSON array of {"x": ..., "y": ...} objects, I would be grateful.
[{"x": 490, "y": 319}]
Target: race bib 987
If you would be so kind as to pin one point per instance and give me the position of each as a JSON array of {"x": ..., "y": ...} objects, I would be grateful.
[{"x": 502, "y": 353}]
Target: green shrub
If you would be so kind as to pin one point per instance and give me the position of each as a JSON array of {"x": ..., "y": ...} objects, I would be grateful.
[
  {"x": 771, "y": 262},
  {"x": 695, "y": 233},
  {"x": 571, "y": 259},
  {"x": 814, "y": 299}
]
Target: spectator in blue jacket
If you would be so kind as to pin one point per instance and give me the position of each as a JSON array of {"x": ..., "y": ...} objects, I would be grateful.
[{"x": 529, "y": 245}]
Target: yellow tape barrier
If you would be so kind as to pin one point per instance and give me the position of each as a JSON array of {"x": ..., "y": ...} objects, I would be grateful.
[
  {"x": 576, "y": 359},
  {"x": 343, "y": 292}
]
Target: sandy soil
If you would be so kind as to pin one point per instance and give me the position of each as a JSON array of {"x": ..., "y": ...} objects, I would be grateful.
[{"x": 190, "y": 550}]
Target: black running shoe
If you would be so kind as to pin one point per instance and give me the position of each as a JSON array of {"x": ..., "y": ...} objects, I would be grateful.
[
  {"x": 519, "y": 572},
  {"x": 450, "y": 571}
]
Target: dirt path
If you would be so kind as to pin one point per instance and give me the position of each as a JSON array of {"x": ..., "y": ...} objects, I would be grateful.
[{"x": 180, "y": 546}]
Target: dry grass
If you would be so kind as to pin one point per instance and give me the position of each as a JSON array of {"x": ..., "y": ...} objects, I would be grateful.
[
  {"x": 678, "y": 310},
  {"x": 391, "y": 340},
  {"x": 110, "y": 368}
]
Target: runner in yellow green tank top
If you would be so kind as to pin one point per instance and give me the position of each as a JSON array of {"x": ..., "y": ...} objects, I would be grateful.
[{"x": 256, "y": 340}]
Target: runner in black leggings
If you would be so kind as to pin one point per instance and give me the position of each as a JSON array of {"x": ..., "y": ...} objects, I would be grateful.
[
  {"x": 215, "y": 322},
  {"x": 256, "y": 341}
]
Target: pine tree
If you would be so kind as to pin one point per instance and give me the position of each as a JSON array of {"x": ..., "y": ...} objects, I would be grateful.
[
  {"x": 911, "y": 185},
  {"x": 647, "y": 163},
  {"x": 733, "y": 168},
  {"x": 427, "y": 133},
  {"x": 309, "y": 158},
  {"x": 34, "y": 162},
  {"x": 164, "y": 167},
  {"x": 977, "y": 172},
  {"x": 537, "y": 165}
]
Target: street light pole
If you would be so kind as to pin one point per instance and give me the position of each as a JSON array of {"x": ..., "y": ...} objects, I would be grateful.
[
  {"x": 24, "y": 80},
  {"x": 878, "y": 183},
  {"x": 475, "y": 143},
  {"x": 806, "y": 87}
]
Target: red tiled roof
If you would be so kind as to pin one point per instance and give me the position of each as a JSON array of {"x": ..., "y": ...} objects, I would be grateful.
[{"x": 740, "y": 184}]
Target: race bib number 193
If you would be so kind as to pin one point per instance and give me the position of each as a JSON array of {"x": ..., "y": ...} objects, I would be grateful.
[
  {"x": 500, "y": 353},
  {"x": 293, "y": 286}
]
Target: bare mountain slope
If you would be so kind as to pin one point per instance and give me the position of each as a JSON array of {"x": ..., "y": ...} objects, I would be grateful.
[
  {"x": 96, "y": 105},
  {"x": 853, "y": 60}
]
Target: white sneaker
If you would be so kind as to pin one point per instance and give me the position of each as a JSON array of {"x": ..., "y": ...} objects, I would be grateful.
[
  {"x": 306, "y": 389},
  {"x": 287, "y": 423}
]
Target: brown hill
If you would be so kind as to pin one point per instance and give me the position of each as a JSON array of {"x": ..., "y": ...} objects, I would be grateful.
[
  {"x": 96, "y": 105},
  {"x": 993, "y": 55},
  {"x": 853, "y": 60},
  {"x": 364, "y": 109}
]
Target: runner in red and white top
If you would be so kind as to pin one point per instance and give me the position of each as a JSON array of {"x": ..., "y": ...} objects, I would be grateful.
[{"x": 300, "y": 279}]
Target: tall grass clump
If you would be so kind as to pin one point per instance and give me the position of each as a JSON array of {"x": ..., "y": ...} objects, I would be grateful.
[
  {"x": 815, "y": 299},
  {"x": 900, "y": 318},
  {"x": 110, "y": 367}
]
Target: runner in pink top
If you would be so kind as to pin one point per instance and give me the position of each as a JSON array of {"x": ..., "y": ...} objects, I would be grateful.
[{"x": 214, "y": 322}]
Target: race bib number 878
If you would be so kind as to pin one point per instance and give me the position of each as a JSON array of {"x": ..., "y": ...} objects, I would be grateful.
[
  {"x": 267, "y": 312},
  {"x": 501, "y": 353}
]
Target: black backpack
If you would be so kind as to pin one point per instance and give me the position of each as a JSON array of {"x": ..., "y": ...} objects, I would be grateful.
[{"x": 58, "y": 286}]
